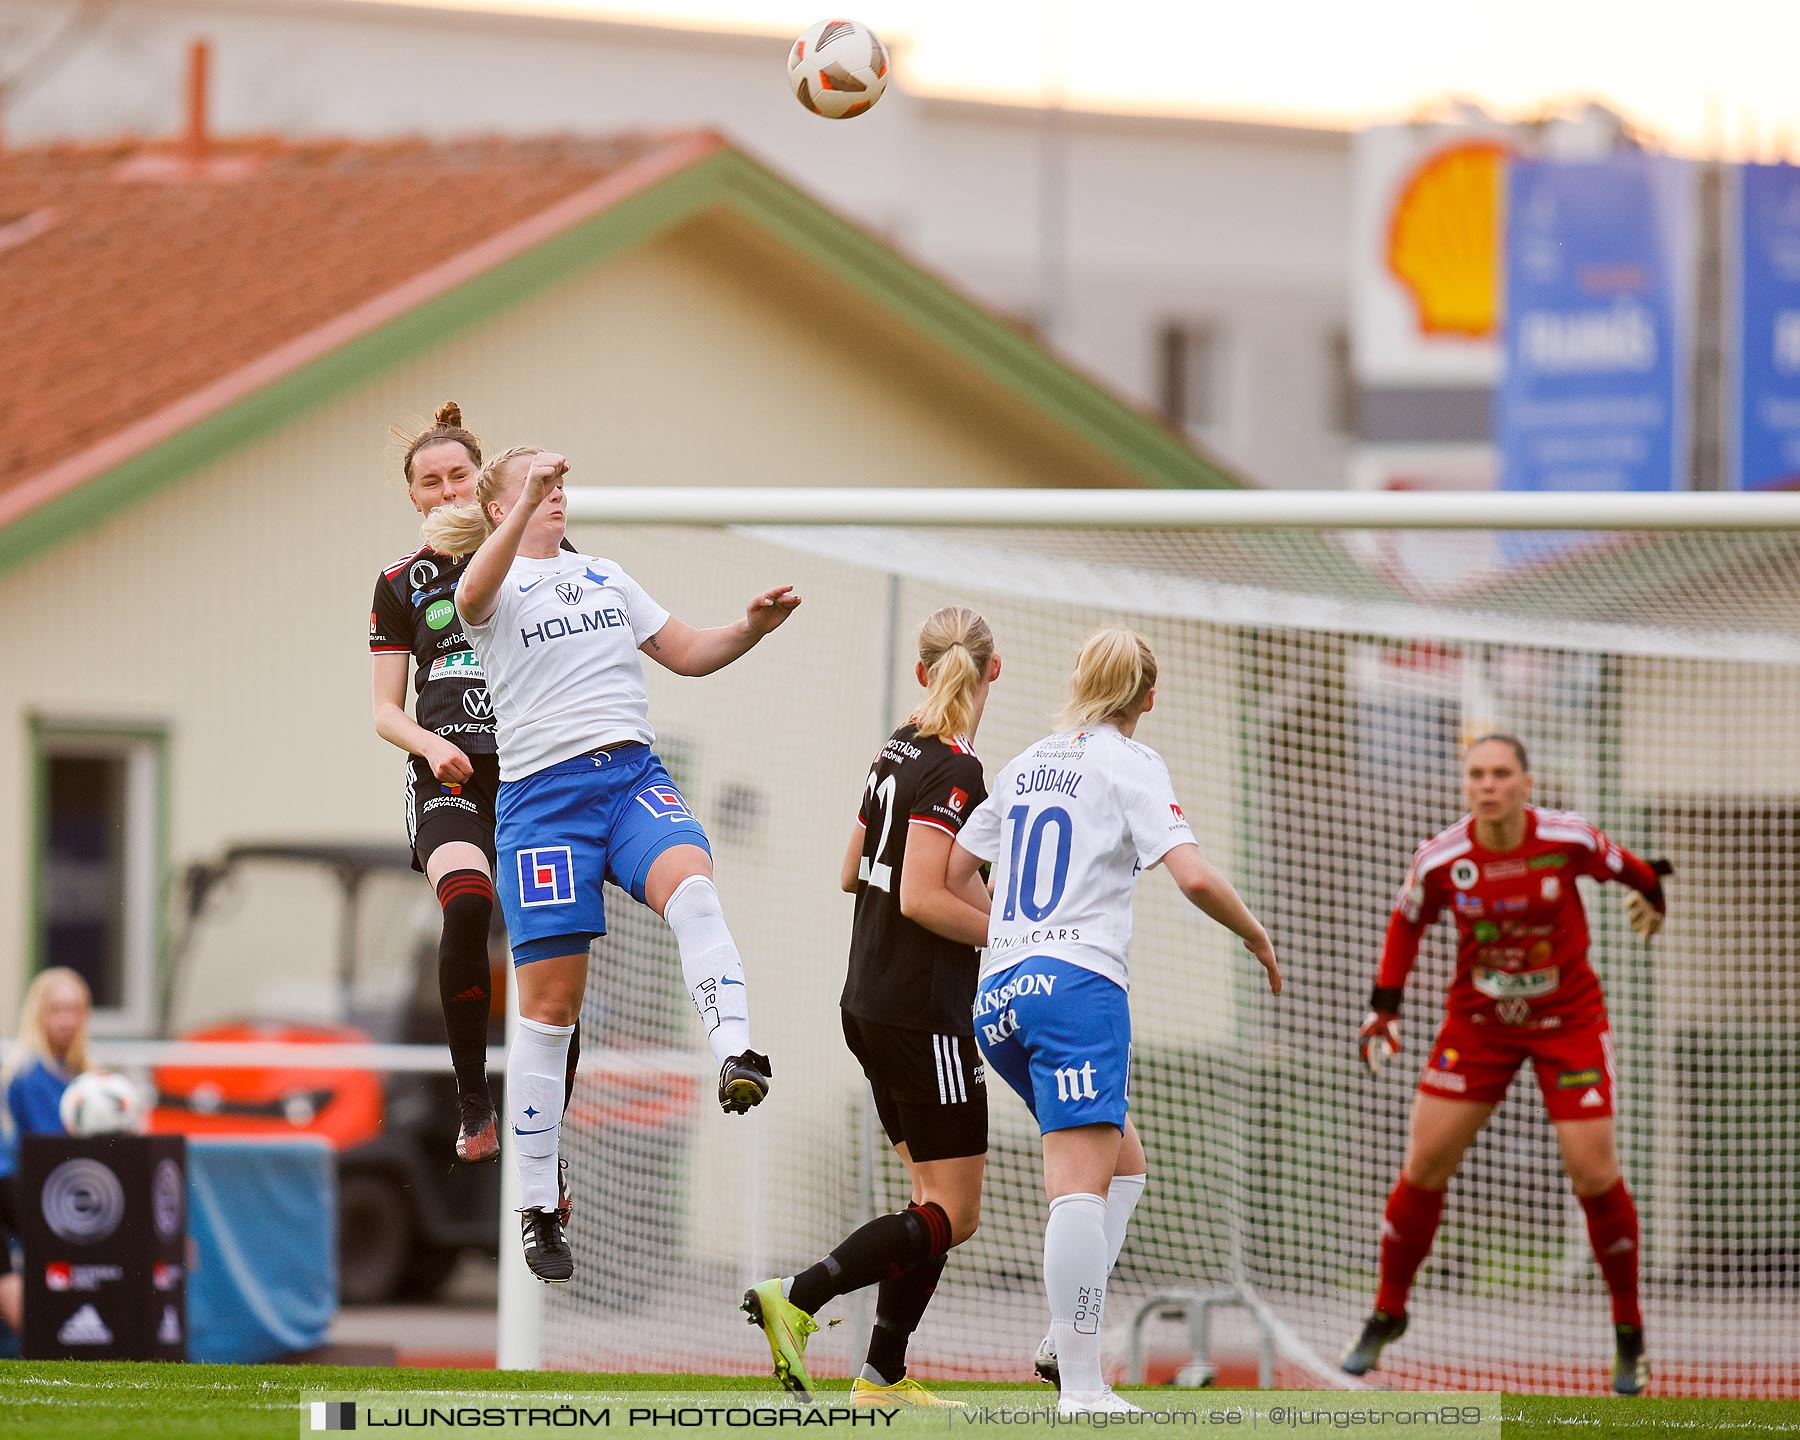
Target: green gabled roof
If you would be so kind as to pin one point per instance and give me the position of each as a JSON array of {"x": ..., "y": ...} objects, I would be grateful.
[{"x": 691, "y": 176}]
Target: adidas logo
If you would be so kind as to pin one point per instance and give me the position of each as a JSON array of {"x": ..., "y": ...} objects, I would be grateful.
[
  {"x": 169, "y": 1332},
  {"x": 1591, "y": 1099},
  {"x": 85, "y": 1327}
]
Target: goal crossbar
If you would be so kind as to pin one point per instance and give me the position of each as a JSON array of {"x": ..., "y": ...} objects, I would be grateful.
[{"x": 1184, "y": 509}]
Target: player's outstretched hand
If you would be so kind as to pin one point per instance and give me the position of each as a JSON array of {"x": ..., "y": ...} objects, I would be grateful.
[
  {"x": 1378, "y": 1039},
  {"x": 546, "y": 472},
  {"x": 769, "y": 609},
  {"x": 1645, "y": 918},
  {"x": 1264, "y": 950}
]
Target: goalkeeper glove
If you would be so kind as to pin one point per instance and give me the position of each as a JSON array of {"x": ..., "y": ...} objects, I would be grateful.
[
  {"x": 1646, "y": 912},
  {"x": 1380, "y": 1033}
]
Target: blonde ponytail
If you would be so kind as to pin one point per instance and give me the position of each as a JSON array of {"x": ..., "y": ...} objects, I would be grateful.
[
  {"x": 955, "y": 646},
  {"x": 458, "y": 530},
  {"x": 1115, "y": 671}
]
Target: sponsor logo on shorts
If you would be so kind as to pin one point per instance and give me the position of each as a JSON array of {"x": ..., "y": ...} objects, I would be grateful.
[
  {"x": 664, "y": 802},
  {"x": 1464, "y": 874},
  {"x": 1575, "y": 1079},
  {"x": 1451, "y": 1080},
  {"x": 546, "y": 876},
  {"x": 1446, "y": 1059},
  {"x": 1076, "y": 1082},
  {"x": 449, "y": 802},
  {"x": 1546, "y": 862},
  {"x": 440, "y": 613},
  {"x": 1500, "y": 985},
  {"x": 1592, "y": 1100}
]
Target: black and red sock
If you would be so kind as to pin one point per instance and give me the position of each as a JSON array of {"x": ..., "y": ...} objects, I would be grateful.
[
  {"x": 464, "y": 987},
  {"x": 888, "y": 1245}
]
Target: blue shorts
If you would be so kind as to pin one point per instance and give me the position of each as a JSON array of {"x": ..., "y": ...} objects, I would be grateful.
[
  {"x": 1061, "y": 1037},
  {"x": 560, "y": 832}
]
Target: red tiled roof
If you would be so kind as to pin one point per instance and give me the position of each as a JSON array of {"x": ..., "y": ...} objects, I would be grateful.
[{"x": 137, "y": 289}]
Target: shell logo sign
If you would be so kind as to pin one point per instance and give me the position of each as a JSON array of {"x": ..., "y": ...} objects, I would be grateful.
[{"x": 1443, "y": 241}]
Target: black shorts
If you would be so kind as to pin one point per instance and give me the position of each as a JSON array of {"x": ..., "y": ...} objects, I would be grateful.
[
  {"x": 437, "y": 814},
  {"x": 930, "y": 1090}
]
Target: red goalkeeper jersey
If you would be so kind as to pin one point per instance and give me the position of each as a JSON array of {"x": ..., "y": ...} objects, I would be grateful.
[{"x": 1521, "y": 931}]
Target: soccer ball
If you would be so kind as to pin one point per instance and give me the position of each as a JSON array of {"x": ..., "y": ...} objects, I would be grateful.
[
  {"x": 100, "y": 1102},
  {"x": 838, "y": 69}
]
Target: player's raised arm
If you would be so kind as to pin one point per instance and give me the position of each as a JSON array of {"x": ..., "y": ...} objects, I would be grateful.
[{"x": 681, "y": 648}]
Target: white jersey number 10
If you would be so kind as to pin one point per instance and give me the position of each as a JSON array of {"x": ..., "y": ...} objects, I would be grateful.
[{"x": 1026, "y": 853}]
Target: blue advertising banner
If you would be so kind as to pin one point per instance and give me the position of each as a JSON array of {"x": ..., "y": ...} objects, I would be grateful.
[
  {"x": 1766, "y": 454},
  {"x": 1599, "y": 275}
]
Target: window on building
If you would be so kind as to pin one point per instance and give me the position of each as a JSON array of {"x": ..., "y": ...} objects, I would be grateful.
[
  {"x": 1193, "y": 376},
  {"x": 99, "y": 840}
]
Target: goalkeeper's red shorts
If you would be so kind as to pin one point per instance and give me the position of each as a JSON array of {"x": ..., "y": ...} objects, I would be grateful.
[{"x": 1574, "y": 1065}]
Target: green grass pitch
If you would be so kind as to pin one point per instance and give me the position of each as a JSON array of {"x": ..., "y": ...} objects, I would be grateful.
[{"x": 99, "y": 1400}]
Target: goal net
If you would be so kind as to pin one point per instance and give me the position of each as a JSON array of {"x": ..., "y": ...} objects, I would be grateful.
[{"x": 1316, "y": 687}]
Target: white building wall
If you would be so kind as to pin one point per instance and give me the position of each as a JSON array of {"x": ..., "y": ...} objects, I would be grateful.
[{"x": 1164, "y": 220}]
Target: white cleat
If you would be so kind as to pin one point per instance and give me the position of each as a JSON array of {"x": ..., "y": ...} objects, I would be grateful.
[
  {"x": 1094, "y": 1402},
  {"x": 1045, "y": 1365}
]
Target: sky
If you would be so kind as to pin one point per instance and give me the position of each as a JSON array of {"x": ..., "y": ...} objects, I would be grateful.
[{"x": 1715, "y": 78}]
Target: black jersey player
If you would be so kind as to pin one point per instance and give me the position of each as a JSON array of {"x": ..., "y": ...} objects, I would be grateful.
[
  {"x": 907, "y": 1016},
  {"x": 452, "y": 771}
]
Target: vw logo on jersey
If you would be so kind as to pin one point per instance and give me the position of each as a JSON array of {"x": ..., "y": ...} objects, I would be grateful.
[
  {"x": 422, "y": 573},
  {"x": 479, "y": 704},
  {"x": 569, "y": 592}
]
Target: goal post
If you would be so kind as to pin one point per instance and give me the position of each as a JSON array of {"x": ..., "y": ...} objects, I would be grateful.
[{"x": 1323, "y": 656}]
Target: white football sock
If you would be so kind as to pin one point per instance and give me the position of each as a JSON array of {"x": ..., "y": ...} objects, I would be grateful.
[
  {"x": 1075, "y": 1282},
  {"x": 1122, "y": 1198},
  {"x": 535, "y": 1063},
  {"x": 711, "y": 965}
]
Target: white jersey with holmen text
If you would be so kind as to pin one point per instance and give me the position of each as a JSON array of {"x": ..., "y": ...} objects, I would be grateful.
[
  {"x": 560, "y": 653},
  {"x": 1069, "y": 825}
]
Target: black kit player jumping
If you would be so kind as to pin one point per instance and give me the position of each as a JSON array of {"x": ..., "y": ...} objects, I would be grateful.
[
  {"x": 908, "y": 1018},
  {"x": 452, "y": 770}
]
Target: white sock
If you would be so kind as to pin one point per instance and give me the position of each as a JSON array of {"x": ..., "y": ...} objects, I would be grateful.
[
  {"x": 1122, "y": 1198},
  {"x": 1075, "y": 1282},
  {"x": 534, "y": 1106},
  {"x": 711, "y": 965}
]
